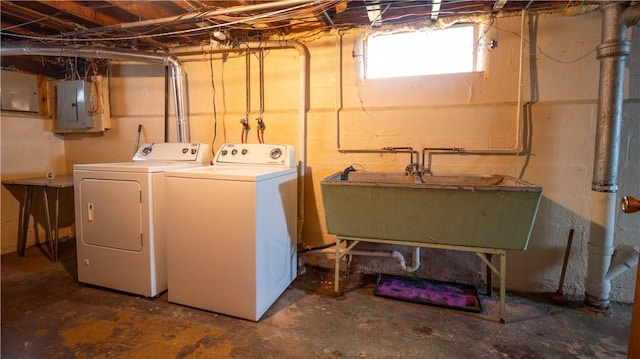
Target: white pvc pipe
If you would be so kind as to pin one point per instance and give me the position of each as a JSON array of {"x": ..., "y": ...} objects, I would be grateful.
[
  {"x": 603, "y": 209},
  {"x": 339, "y": 103},
  {"x": 624, "y": 257},
  {"x": 415, "y": 257},
  {"x": 303, "y": 106}
]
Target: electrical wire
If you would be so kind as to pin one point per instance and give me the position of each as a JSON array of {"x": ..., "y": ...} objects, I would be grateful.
[
  {"x": 32, "y": 21},
  {"x": 96, "y": 92},
  {"x": 286, "y": 14},
  {"x": 539, "y": 49},
  {"x": 303, "y": 14}
]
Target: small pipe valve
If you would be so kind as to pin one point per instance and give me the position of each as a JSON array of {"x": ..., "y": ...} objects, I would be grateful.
[
  {"x": 245, "y": 124},
  {"x": 630, "y": 204}
]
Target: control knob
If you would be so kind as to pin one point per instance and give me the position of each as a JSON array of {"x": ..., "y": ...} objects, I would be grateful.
[{"x": 275, "y": 153}]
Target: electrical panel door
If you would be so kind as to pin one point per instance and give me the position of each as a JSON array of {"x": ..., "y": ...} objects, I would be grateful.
[
  {"x": 82, "y": 106},
  {"x": 19, "y": 92},
  {"x": 74, "y": 104}
]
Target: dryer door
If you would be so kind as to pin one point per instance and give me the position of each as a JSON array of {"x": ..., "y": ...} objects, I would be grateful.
[{"x": 111, "y": 213}]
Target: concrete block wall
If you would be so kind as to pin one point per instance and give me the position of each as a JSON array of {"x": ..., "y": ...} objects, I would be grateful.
[{"x": 476, "y": 111}]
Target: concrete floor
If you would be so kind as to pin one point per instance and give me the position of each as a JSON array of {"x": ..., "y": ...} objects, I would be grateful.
[{"x": 47, "y": 314}]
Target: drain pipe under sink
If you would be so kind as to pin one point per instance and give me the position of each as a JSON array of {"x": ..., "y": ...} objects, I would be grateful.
[{"x": 415, "y": 257}]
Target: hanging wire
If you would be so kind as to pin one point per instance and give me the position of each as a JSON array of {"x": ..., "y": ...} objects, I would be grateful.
[
  {"x": 95, "y": 94},
  {"x": 287, "y": 14}
]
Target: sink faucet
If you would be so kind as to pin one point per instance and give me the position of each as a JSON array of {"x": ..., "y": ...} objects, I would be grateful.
[
  {"x": 414, "y": 165},
  {"x": 412, "y": 169}
]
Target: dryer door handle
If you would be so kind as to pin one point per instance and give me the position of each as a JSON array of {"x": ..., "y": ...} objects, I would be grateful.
[{"x": 90, "y": 212}]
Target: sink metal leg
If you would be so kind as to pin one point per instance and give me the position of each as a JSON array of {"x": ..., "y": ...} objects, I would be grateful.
[
  {"x": 503, "y": 287},
  {"x": 336, "y": 279},
  {"x": 489, "y": 276},
  {"x": 501, "y": 272},
  {"x": 57, "y": 219}
]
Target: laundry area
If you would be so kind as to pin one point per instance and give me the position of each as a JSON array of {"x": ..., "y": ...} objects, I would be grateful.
[{"x": 320, "y": 179}]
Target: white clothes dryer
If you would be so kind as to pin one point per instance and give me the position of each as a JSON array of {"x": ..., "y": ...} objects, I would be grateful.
[
  {"x": 119, "y": 213},
  {"x": 232, "y": 230}
]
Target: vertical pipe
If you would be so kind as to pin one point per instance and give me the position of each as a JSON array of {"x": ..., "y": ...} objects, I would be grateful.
[
  {"x": 302, "y": 130},
  {"x": 166, "y": 105},
  {"x": 178, "y": 93},
  {"x": 338, "y": 85},
  {"x": 247, "y": 79},
  {"x": 518, "y": 146},
  {"x": 611, "y": 53}
]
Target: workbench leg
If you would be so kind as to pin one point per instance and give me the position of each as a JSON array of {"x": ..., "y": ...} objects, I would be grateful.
[
  {"x": 503, "y": 287},
  {"x": 48, "y": 218},
  {"x": 57, "y": 215},
  {"x": 26, "y": 214},
  {"x": 336, "y": 274}
]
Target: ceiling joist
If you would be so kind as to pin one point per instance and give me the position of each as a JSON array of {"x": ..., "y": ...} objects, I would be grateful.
[{"x": 161, "y": 25}]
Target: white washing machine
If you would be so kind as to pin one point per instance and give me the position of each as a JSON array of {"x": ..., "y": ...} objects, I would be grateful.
[
  {"x": 119, "y": 213},
  {"x": 232, "y": 230}
]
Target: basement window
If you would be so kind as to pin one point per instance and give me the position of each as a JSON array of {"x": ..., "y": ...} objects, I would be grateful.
[{"x": 420, "y": 53}]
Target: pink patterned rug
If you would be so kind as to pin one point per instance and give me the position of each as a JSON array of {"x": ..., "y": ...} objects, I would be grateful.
[{"x": 431, "y": 292}]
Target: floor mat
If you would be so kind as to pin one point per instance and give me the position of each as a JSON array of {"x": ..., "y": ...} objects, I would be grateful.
[{"x": 431, "y": 292}]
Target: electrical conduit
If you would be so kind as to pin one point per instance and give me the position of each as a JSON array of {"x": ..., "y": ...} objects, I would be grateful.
[{"x": 182, "y": 126}]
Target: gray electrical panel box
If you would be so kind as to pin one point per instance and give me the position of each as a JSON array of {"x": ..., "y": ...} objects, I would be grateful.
[
  {"x": 82, "y": 106},
  {"x": 19, "y": 92},
  {"x": 75, "y": 104}
]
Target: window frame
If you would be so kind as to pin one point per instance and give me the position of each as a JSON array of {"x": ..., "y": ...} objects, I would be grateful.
[{"x": 477, "y": 59}]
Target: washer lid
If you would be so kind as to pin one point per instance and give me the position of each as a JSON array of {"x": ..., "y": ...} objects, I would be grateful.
[
  {"x": 140, "y": 167},
  {"x": 232, "y": 173}
]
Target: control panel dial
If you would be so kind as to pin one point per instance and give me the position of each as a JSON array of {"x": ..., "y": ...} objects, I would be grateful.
[{"x": 275, "y": 153}]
